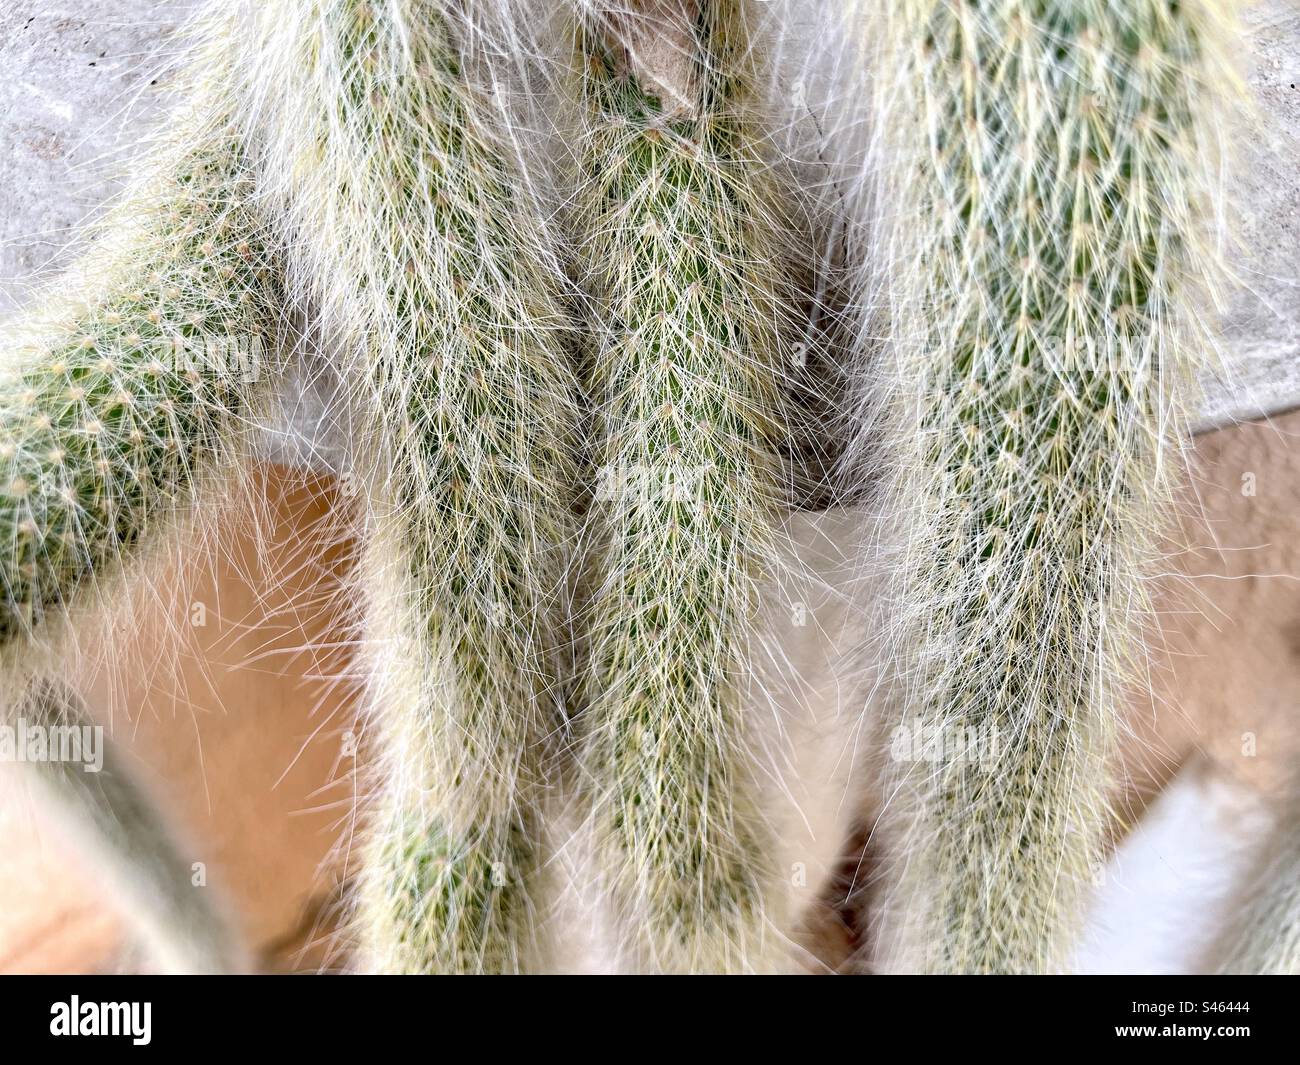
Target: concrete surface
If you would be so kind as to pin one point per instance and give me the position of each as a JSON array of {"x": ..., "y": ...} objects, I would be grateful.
[
  {"x": 1261, "y": 329},
  {"x": 77, "y": 80}
]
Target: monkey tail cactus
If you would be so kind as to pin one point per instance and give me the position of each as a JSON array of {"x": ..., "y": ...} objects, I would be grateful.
[
  {"x": 1046, "y": 261},
  {"x": 138, "y": 372},
  {"x": 121, "y": 389},
  {"x": 678, "y": 250},
  {"x": 414, "y": 237}
]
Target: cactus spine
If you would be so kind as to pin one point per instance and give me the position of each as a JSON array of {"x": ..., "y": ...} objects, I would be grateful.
[
  {"x": 1046, "y": 260},
  {"x": 678, "y": 249},
  {"x": 414, "y": 236}
]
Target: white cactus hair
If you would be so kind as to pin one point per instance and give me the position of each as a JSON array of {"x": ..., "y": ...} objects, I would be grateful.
[{"x": 1049, "y": 183}]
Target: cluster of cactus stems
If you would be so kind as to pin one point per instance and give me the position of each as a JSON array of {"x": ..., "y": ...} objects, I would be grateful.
[
  {"x": 350, "y": 159},
  {"x": 680, "y": 257},
  {"x": 1049, "y": 184}
]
